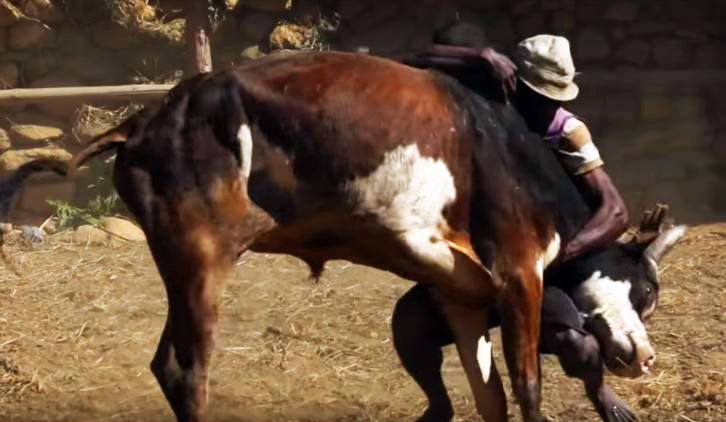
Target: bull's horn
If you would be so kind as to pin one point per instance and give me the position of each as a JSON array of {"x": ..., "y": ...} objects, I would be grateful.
[{"x": 664, "y": 242}]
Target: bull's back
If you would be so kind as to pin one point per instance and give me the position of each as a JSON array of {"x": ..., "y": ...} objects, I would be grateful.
[{"x": 341, "y": 113}]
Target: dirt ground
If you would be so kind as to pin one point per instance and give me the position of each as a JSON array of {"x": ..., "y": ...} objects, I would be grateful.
[{"x": 79, "y": 328}]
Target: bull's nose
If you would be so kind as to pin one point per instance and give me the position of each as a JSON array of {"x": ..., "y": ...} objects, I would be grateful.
[{"x": 647, "y": 358}]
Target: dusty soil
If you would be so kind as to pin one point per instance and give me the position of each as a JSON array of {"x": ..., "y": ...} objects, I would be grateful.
[{"x": 79, "y": 327}]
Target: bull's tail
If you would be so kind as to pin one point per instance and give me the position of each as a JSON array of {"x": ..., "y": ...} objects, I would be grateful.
[{"x": 105, "y": 141}]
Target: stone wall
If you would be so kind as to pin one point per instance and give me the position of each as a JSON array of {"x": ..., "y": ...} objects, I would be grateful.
[{"x": 653, "y": 74}]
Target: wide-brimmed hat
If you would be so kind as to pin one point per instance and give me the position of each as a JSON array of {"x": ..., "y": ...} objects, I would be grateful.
[{"x": 544, "y": 63}]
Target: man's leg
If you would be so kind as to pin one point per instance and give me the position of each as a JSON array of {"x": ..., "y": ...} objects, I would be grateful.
[{"x": 419, "y": 333}]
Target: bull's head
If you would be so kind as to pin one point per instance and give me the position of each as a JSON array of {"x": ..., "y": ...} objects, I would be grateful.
[{"x": 621, "y": 292}]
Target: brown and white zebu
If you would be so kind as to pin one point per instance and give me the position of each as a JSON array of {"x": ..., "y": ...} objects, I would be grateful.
[{"x": 340, "y": 156}]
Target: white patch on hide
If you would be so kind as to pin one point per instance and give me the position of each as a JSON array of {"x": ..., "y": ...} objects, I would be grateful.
[
  {"x": 484, "y": 357},
  {"x": 549, "y": 255},
  {"x": 407, "y": 194},
  {"x": 553, "y": 249},
  {"x": 244, "y": 136}
]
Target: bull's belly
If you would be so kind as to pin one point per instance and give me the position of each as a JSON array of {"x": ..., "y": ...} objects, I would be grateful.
[{"x": 391, "y": 219}]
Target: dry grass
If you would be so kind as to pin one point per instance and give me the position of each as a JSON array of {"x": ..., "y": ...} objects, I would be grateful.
[
  {"x": 81, "y": 323},
  {"x": 91, "y": 120},
  {"x": 142, "y": 17}
]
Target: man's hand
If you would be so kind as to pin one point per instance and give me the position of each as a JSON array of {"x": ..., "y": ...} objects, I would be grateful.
[{"x": 502, "y": 69}]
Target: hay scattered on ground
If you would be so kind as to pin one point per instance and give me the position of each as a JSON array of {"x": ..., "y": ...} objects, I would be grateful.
[{"x": 80, "y": 325}]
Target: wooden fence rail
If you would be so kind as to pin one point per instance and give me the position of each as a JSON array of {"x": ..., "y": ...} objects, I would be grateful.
[{"x": 85, "y": 94}]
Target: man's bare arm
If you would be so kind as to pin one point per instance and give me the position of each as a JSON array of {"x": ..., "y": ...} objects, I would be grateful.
[{"x": 609, "y": 221}]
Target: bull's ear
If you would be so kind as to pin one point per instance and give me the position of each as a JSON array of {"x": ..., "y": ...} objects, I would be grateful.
[
  {"x": 664, "y": 243},
  {"x": 634, "y": 248}
]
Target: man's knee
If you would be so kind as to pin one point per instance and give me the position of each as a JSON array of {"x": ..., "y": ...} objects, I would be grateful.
[
  {"x": 417, "y": 320},
  {"x": 578, "y": 352}
]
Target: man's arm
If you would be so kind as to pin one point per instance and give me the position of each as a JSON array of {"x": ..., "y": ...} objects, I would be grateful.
[
  {"x": 449, "y": 58},
  {"x": 610, "y": 219}
]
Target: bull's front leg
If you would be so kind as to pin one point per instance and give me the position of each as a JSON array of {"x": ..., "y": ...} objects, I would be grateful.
[{"x": 520, "y": 309}]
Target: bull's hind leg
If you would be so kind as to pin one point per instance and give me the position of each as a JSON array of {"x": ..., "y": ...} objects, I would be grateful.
[
  {"x": 520, "y": 309},
  {"x": 470, "y": 329}
]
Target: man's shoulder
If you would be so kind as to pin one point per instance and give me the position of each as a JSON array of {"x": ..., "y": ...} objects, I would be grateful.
[{"x": 575, "y": 133}]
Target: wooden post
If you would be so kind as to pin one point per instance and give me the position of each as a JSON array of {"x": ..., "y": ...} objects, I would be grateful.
[{"x": 196, "y": 36}]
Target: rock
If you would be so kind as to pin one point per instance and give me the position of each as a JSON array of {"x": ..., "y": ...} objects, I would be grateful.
[
  {"x": 386, "y": 38},
  {"x": 671, "y": 52},
  {"x": 635, "y": 52},
  {"x": 350, "y": 8},
  {"x": 711, "y": 56},
  {"x": 60, "y": 109},
  {"x": 530, "y": 25},
  {"x": 27, "y": 34},
  {"x": 269, "y": 5},
  {"x": 590, "y": 10},
  {"x": 692, "y": 11},
  {"x": 123, "y": 228},
  {"x": 557, "y": 4},
  {"x": 36, "y": 195},
  {"x": 372, "y": 18},
  {"x": 33, "y": 135},
  {"x": 9, "y": 75},
  {"x": 108, "y": 68},
  {"x": 4, "y": 140},
  {"x": 622, "y": 11},
  {"x": 689, "y": 106},
  {"x": 288, "y": 35},
  {"x": 487, "y": 5},
  {"x": 113, "y": 36},
  {"x": 43, "y": 10},
  {"x": 88, "y": 234},
  {"x": 3, "y": 41},
  {"x": 562, "y": 23},
  {"x": 656, "y": 108},
  {"x": 690, "y": 200},
  {"x": 40, "y": 65},
  {"x": 499, "y": 30},
  {"x": 72, "y": 40},
  {"x": 252, "y": 52},
  {"x": 592, "y": 44},
  {"x": 257, "y": 26},
  {"x": 523, "y": 7},
  {"x": 7, "y": 17},
  {"x": 621, "y": 108},
  {"x": 11, "y": 160},
  {"x": 618, "y": 33}
]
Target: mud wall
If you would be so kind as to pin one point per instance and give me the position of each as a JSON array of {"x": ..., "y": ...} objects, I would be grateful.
[{"x": 653, "y": 74}]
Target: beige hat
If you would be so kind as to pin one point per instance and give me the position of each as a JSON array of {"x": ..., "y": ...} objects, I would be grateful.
[{"x": 545, "y": 64}]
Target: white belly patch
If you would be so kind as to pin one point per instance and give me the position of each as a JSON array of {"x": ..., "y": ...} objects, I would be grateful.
[{"x": 407, "y": 194}]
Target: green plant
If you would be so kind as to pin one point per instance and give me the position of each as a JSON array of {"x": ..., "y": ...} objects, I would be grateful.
[{"x": 70, "y": 216}]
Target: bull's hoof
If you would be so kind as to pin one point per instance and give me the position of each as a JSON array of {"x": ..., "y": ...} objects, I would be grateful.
[{"x": 437, "y": 414}]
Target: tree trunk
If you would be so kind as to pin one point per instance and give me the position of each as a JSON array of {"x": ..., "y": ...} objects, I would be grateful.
[{"x": 197, "y": 29}]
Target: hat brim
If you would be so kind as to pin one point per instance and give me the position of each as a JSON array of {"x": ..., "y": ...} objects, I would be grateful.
[{"x": 567, "y": 93}]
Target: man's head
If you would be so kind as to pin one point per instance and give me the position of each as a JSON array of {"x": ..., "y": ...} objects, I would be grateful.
[
  {"x": 461, "y": 34},
  {"x": 544, "y": 64}
]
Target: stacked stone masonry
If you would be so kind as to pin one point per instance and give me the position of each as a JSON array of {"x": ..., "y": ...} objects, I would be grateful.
[{"x": 653, "y": 74}]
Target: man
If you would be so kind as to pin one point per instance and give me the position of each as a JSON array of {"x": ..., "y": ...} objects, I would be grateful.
[{"x": 544, "y": 81}]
